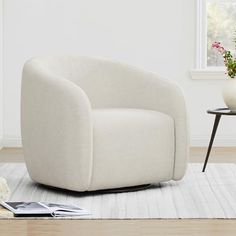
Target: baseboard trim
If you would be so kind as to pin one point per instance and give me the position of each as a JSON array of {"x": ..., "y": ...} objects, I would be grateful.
[
  {"x": 220, "y": 141},
  {"x": 11, "y": 142},
  {"x": 196, "y": 141}
]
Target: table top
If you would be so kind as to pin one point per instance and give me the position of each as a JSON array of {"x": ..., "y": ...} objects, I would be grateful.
[{"x": 222, "y": 111}]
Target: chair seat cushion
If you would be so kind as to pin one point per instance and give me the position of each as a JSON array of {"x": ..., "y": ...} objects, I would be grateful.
[{"x": 131, "y": 147}]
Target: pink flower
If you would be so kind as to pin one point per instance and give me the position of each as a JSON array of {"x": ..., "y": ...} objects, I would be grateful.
[{"x": 218, "y": 46}]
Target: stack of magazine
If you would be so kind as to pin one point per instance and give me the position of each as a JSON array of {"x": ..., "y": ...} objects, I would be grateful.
[{"x": 44, "y": 209}]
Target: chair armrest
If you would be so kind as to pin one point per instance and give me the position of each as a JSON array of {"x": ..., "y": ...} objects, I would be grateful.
[
  {"x": 56, "y": 126},
  {"x": 147, "y": 90},
  {"x": 169, "y": 99}
]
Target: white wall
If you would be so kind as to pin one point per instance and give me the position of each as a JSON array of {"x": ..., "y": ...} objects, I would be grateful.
[
  {"x": 1, "y": 72},
  {"x": 157, "y": 35}
]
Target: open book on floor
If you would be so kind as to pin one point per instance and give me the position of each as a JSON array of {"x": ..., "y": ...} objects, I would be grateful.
[{"x": 44, "y": 209}]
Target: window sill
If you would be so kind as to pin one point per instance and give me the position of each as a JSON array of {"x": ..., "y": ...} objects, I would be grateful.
[{"x": 208, "y": 74}]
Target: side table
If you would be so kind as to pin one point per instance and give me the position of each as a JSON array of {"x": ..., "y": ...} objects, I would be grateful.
[{"x": 218, "y": 113}]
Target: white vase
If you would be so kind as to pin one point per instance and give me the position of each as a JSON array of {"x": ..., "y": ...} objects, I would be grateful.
[{"x": 229, "y": 94}]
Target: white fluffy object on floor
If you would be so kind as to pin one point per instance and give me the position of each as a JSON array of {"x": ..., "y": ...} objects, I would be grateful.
[{"x": 4, "y": 190}]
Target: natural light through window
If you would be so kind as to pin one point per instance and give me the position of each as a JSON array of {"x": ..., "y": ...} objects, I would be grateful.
[{"x": 221, "y": 26}]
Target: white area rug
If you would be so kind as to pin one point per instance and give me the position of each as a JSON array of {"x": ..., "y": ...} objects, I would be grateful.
[{"x": 198, "y": 195}]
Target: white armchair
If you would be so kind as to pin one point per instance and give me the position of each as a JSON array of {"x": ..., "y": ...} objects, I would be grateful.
[{"x": 90, "y": 124}]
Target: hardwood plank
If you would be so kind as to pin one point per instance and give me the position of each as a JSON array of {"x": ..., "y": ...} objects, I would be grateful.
[
  {"x": 118, "y": 227},
  {"x": 11, "y": 155},
  {"x": 197, "y": 154},
  {"x": 218, "y": 154}
]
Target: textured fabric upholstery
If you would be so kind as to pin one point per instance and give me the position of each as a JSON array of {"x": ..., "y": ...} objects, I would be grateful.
[
  {"x": 131, "y": 145},
  {"x": 91, "y": 123}
]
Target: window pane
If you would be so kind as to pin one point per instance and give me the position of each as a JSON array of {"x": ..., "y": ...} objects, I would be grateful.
[{"x": 221, "y": 27}]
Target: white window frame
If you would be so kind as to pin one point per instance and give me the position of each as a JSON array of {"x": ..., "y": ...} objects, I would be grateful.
[{"x": 201, "y": 71}]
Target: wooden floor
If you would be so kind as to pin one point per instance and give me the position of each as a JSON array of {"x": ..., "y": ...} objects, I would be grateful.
[
  {"x": 118, "y": 227},
  {"x": 197, "y": 154},
  {"x": 123, "y": 227}
]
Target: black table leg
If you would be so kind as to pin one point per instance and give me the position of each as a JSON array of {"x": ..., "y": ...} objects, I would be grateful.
[{"x": 217, "y": 120}]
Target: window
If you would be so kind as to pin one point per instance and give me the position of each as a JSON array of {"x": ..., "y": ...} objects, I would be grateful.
[
  {"x": 216, "y": 21},
  {"x": 221, "y": 27}
]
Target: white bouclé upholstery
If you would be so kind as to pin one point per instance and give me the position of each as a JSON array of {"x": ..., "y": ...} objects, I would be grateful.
[
  {"x": 90, "y": 124},
  {"x": 127, "y": 141}
]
